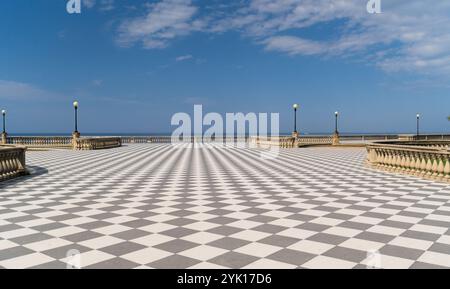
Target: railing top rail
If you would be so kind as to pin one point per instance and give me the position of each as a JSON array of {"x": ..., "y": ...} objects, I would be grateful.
[
  {"x": 9, "y": 148},
  {"x": 401, "y": 146}
]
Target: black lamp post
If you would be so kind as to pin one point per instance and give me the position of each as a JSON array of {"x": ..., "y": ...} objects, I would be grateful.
[
  {"x": 336, "y": 115},
  {"x": 418, "y": 124},
  {"x": 75, "y": 106},
  {"x": 4, "y": 120},
  {"x": 295, "y": 106}
]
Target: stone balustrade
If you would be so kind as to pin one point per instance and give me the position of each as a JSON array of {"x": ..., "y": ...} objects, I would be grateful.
[
  {"x": 12, "y": 162},
  {"x": 314, "y": 140},
  {"x": 168, "y": 139},
  {"x": 280, "y": 141},
  {"x": 96, "y": 143},
  {"x": 41, "y": 141},
  {"x": 429, "y": 160}
]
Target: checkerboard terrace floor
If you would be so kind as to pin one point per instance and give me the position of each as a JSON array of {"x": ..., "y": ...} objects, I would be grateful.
[{"x": 160, "y": 206}]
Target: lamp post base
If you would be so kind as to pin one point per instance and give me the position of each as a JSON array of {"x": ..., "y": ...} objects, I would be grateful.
[
  {"x": 75, "y": 137},
  {"x": 4, "y": 138},
  {"x": 295, "y": 134},
  {"x": 336, "y": 139}
]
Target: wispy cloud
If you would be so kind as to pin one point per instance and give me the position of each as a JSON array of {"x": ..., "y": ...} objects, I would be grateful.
[
  {"x": 183, "y": 58},
  {"x": 12, "y": 90},
  {"x": 163, "y": 22},
  {"x": 103, "y": 5},
  {"x": 408, "y": 36}
]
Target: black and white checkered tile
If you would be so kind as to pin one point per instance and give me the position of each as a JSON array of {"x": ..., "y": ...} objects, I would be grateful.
[{"x": 160, "y": 206}]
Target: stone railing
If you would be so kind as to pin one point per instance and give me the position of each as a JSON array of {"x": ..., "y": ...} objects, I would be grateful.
[
  {"x": 429, "y": 160},
  {"x": 41, "y": 141},
  {"x": 281, "y": 141},
  {"x": 168, "y": 139},
  {"x": 314, "y": 140},
  {"x": 96, "y": 143},
  {"x": 12, "y": 162}
]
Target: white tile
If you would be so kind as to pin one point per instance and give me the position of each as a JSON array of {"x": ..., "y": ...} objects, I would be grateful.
[
  {"x": 435, "y": 258},
  {"x": 250, "y": 235},
  {"x": 411, "y": 243},
  {"x": 203, "y": 252},
  {"x": 387, "y": 262},
  {"x": 311, "y": 247},
  {"x": 152, "y": 240},
  {"x": 146, "y": 255},
  {"x": 323, "y": 262},
  {"x": 26, "y": 261},
  {"x": 258, "y": 249},
  {"x": 362, "y": 245},
  {"x": 269, "y": 264},
  {"x": 202, "y": 237},
  {"x": 297, "y": 233},
  {"x": 47, "y": 244},
  {"x": 101, "y": 242}
]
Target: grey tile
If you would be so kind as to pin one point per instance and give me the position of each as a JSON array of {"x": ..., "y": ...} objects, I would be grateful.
[
  {"x": 174, "y": 262},
  {"x": 420, "y": 235},
  {"x": 229, "y": 243},
  {"x": 51, "y": 265},
  {"x": 421, "y": 265},
  {"x": 280, "y": 241},
  {"x": 31, "y": 238},
  {"x": 224, "y": 230},
  {"x": 346, "y": 254},
  {"x": 131, "y": 234},
  {"x": 14, "y": 252},
  {"x": 233, "y": 260},
  {"x": 178, "y": 232},
  {"x": 267, "y": 228},
  {"x": 375, "y": 237},
  {"x": 402, "y": 252},
  {"x": 62, "y": 252},
  {"x": 176, "y": 246},
  {"x": 82, "y": 236},
  {"x": 114, "y": 263},
  {"x": 440, "y": 248},
  {"x": 122, "y": 248},
  {"x": 327, "y": 238},
  {"x": 291, "y": 257}
]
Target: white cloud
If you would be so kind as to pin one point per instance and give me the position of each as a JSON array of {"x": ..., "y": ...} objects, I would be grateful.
[
  {"x": 12, "y": 90},
  {"x": 88, "y": 3},
  {"x": 409, "y": 35},
  {"x": 103, "y": 5},
  {"x": 183, "y": 58},
  {"x": 164, "y": 21}
]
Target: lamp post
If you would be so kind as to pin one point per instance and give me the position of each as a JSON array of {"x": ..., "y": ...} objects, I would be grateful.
[
  {"x": 4, "y": 120},
  {"x": 336, "y": 131},
  {"x": 4, "y": 134},
  {"x": 75, "y": 106},
  {"x": 75, "y": 133},
  {"x": 295, "y": 133},
  {"x": 336, "y": 115},
  {"x": 418, "y": 124}
]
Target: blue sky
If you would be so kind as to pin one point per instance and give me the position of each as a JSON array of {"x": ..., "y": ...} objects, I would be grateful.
[{"x": 132, "y": 64}]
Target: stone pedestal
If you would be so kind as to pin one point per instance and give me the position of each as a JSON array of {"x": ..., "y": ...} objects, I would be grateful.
[
  {"x": 4, "y": 137},
  {"x": 336, "y": 139},
  {"x": 295, "y": 134},
  {"x": 75, "y": 137}
]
